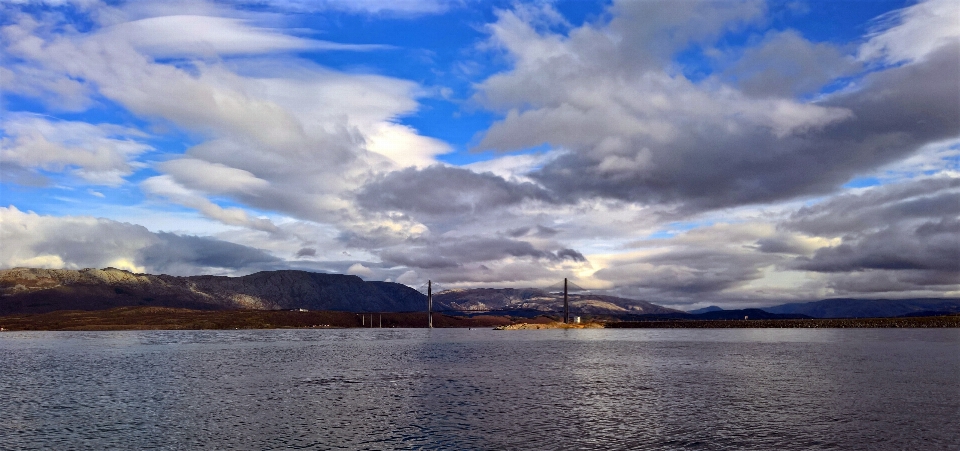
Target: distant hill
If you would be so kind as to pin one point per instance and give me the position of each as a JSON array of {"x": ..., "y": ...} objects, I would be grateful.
[
  {"x": 711, "y": 308},
  {"x": 26, "y": 290},
  {"x": 868, "y": 308},
  {"x": 532, "y": 299}
]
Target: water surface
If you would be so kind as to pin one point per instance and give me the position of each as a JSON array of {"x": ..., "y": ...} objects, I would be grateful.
[{"x": 482, "y": 389}]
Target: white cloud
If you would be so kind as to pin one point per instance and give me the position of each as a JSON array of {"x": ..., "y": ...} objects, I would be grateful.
[
  {"x": 912, "y": 33},
  {"x": 205, "y": 36},
  {"x": 212, "y": 177},
  {"x": 393, "y": 7},
  {"x": 100, "y": 154},
  {"x": 278, "y": 133},
  {"x": 358, "y": 269},
  {"x": 165, "y": 187}
]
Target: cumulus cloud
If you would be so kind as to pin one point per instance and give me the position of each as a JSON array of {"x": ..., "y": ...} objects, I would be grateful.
[
  {"x": 635, "y": 131},
  {"x": 648, "y": 184}
]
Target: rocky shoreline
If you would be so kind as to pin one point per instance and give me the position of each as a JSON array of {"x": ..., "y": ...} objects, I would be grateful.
[
  {"x": 831, "y": 323},
  {"x": 550, "y": 325}
]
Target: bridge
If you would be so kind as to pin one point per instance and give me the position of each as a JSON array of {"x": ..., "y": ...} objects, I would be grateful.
[{"x": 565, "y": 287}]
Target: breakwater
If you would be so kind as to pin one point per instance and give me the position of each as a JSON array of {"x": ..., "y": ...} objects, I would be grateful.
[{"x": 830, "y": 323}]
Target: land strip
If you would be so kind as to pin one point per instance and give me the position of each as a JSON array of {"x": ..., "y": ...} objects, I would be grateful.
[
  {"x": 163, "y": 318},
  {"x": 831, "y": 323}
]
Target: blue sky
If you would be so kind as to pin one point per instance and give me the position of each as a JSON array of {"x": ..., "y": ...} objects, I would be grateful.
[{"x": 687, "y": 153}]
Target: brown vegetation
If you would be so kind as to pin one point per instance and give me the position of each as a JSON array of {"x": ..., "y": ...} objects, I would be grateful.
[{"x": 158, "y": 318}]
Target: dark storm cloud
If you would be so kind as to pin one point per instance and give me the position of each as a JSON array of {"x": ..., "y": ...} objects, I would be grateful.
[
  {"x": 540, "y": 230},
  {"x": 889, "y": 249},
  {"x": 875, "y": 282},
  {"x": 307, "y": 252},
  {"x": 518, "y": 232},
  {"x": 896, "y": 112},
  {"x": 778, "y": 245},
  {"x": 930, "y": 199},
  {"x": 571, "y": 254},
  {"x": 442, "y": 190},
  {"x": 456, "y": 252},
  {"x": 546, "y": 231},
  {"x": 175, "y": 252},
  {"x": 907, "y": 231}
]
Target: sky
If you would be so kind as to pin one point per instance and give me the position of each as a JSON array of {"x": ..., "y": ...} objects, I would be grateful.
[{"x": 687, "y": 153}]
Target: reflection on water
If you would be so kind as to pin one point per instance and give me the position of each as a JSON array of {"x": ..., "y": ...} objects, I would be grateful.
[{"x": 482, "y": 389}]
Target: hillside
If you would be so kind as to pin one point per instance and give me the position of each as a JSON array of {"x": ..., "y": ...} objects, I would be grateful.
[
  {"x": 26, "y": 290},
  {"x": 484, "y": 299},
  {"x": 867, "y": 308}
]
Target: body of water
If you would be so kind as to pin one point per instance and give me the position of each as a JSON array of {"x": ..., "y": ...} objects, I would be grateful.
[{"x": 459, "y": 389}]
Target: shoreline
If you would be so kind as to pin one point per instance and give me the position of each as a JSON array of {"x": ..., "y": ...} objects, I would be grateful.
[
  {"x": 162, "y": 318},
  {"x": 950, "y": 321}
]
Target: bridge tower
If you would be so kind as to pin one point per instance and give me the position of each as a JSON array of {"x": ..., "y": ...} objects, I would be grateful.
[{"x": 429, "y": 304}]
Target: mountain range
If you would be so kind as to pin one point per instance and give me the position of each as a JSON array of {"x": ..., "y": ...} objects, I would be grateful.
[
  {"x": 28, "y": 290},
  {"x": 868, "y": 308},
  {"x": 31, "y": 290},
  {"x": 537, "y": 300}
]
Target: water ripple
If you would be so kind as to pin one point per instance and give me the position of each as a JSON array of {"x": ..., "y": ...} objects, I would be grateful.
[{"x": 465, "y": 390}]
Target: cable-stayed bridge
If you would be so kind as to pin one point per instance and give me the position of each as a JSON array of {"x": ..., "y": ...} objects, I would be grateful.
[{"x": 563, "y": 288}]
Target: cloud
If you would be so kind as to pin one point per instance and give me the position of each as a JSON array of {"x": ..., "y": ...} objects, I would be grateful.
[
  {"x": 181, "y": 254},
  {"x": 275, "y": 132},
  {"x": 410, "y": 8},
  {"x": 165, "y": 187},
  {"x": 444, "y": 190},
  {"x": 205, "y": 36},
  {"x": 912, "y": 33},
  {"x": 358, "y": 269},
  {"x": 74, "y": 242},
  {"x": 905, "y": 233},
  {"x": 634, "y": 131},
  {"x": 99, "y": 154},
  {"x": 786, "y": 64},
  {"x": 714, "y": 260},
  {"x": 212, "y": 177},
  {"x": 306, "y": 252}
]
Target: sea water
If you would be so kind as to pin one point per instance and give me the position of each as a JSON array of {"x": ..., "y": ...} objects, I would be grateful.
[{"x": 464, "y": 389}]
